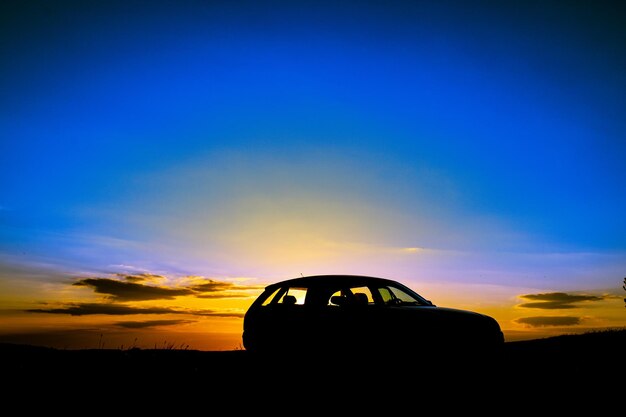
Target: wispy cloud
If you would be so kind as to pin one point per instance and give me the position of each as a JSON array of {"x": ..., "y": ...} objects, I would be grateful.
[
  {"x": 142, "y": 287},
  {"x": 212, "y": 286},
  {"x": 144, "y": 277},
  {"x": 543, "y": 321},
  {"x": 208, "y": 288},
  {"x": 558, "y": 300},
  {"x": 120, "y": 289},
  {"x": 131, "y": 291},
  {"x": 84, "y": 309},
  {"x": 233, "y": 314},
  {"x": 225, "y": 295},
  {"x": 150, "y": 323}
]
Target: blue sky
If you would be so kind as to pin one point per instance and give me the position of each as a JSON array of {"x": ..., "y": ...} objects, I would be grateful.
[{"x": 267, "y": 139}]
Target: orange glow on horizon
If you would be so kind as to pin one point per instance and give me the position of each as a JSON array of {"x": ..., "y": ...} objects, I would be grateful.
[{"x": 216, "y": 323}]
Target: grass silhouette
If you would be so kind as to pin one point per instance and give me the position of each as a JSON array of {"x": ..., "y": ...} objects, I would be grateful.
[{"x": 589, "y": 359}]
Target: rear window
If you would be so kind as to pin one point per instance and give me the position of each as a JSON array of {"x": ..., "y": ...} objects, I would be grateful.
[{"x": 270, "y": 297}]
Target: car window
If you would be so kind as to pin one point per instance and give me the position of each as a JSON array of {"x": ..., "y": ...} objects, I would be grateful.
[
  {"x": 270, "y": 297},
  {"x": 294, "y": 296},
  {"x": 391, "y": 295},
  {"x": 362, "y": 295},
  {"x": 351, "y": 296},
  {"x": 403, "y": 296},
  {"x": 385, "y": 294},
  {"x": 333, "y": 299}
]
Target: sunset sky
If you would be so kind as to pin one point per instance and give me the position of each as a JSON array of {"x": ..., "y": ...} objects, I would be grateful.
[{"x": 161, "y": 162}]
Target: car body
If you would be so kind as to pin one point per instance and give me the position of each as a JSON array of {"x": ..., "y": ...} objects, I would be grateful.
[{"x": 352, "y": 313}]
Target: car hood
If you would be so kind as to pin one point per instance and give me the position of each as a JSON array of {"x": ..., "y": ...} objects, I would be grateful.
[
  {"x": 460, "y": 316},
  {"x": 457, "y": 312}
]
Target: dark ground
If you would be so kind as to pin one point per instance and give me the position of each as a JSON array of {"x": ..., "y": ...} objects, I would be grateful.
[{"x": 574, "y": 368}]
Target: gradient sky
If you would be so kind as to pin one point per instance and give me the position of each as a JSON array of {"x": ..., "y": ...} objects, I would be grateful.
[{"x": 162, "y": 161}]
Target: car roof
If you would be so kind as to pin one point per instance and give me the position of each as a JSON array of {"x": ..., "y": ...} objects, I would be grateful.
[{"x": 324, "y": 280}]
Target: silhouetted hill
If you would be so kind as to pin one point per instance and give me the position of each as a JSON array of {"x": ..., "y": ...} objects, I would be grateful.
[
  {"x": 594, "y": 357},
  {"x": 590, "y": 360}
]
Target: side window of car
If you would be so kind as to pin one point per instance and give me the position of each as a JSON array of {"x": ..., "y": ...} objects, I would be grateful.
[
  {"x": 385, "y": 294},
  {"x": 352, "y": 296},
  {"x": 337, "y": 299},
  {"x": 293, "y": 296},
  {"x": 362, "y": 295},
  {"x": 402, "y": 296},
  {"x": 395, "y": 296}
]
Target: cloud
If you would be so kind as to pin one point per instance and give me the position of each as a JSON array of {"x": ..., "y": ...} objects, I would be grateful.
[
  {"x": 225, "y": 295},
  {"x": 131, "y": 291},
  {"x": 542, "y": 321},
  {"x": 557, "y": 300},
  {"x": 219, "y": 313},
  {"x": 84, "y": 309},
  {"x": 150, "y": 323},
  {"x": 145, "y": 277},
  {"x": 220, "y": 289},
  {"x": 133, "y": 287},
  {"x": 212, "y": 286}
]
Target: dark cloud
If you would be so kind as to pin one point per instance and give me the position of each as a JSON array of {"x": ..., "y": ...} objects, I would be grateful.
[
  {"x": 134, "y": 288},
  {"x": 131, "y": 291},
  {"x": 218, "y": 314},
  {"x": 225, "y": 295},
  {"x": 561, "y": 296},
  {"x": 141, "y": 277},
  {"x": 84, "y": 309},
  {"x": 548, "y": 305},
  {"x": 542, "y": 321},
  {"x": 557, "y": 300},
  {"x": 150, "y": 323},
  {"x": 212, "y": 286}
]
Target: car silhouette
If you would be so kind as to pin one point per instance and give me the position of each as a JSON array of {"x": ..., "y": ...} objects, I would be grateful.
[{"x": 351, "y": 313}]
